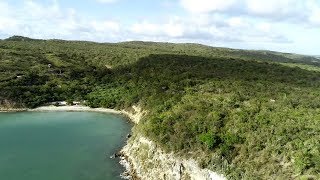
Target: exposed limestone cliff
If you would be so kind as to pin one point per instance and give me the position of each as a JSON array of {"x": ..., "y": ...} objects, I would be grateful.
[
  {"x": 135, "y": 114},
  {"x": 146, "y": 161},
  {"x": 149, "y": 162}
]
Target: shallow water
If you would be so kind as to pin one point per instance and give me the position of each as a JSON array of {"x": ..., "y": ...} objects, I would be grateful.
[{"x": 60, "y": 145}]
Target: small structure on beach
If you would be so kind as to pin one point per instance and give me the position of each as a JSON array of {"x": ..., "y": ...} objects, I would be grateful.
[
  {"x": 66, "y": 103},
  {"x": 59, "y": 103},
  {"x": 76, "y": 103}
]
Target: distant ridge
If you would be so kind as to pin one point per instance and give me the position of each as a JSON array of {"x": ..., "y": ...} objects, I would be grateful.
[
  {"x": 21, "y": 38},
  {"x": 264, "y": 55}
]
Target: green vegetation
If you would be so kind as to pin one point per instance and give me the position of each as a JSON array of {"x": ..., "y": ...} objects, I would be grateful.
[
  {"x": 248, "y": 114},
  {"x": 302, "y": 66}
]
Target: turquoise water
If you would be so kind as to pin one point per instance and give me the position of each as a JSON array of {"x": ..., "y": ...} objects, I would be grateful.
[{"x": 60, "y": 145}]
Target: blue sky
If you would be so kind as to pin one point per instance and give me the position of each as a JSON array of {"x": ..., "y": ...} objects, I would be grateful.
[{"x": 280, "y": 25}]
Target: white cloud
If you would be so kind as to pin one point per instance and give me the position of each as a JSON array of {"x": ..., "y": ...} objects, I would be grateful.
[
  {"x": 237, "y": 22},
  {"x": 32, "y": 9},
  {"x": 206, "y": 6},
  {"x": 270, "y": 7},
  {"x": 105, "y": 29},
  {"x": 103, "y": 26},
  {"x": 174, "y": 30},
  {"x": 6, "y": 21},
  {"x": 289, "y": 11},
  {"x": 107, "y": 1},
  {"x": 264, "y": 27},
  {"x": 40, "y": 20},
  {"x": 145, "y": 28},
  {"x": 213, "y": 22},
  {"x": 4, "y": 8},
  {"x": 234, "y": 29},
  {"x": 49, "y": 21},
  {"x": 314, "y": 9},
  {"x": 315, "y": 17},
  {"x": 286, "y": 11}
]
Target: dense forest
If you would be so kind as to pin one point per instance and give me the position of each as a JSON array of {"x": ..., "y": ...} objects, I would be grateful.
[{"x": 246, "y": 114}]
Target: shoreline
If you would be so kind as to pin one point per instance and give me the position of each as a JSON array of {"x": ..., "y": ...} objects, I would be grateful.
[
  {"x": 75, "y": 108},
  {"x": 134, "y": 118},
  {"x": 8, "y": 110},
  {"x": 129, "y": 155}
]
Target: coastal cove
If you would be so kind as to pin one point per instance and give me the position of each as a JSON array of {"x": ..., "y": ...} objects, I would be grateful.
[
  {"x": 199, "y": 112},
  {"x": 65, "y": 145},
  {"x": 134, "y": 165}
]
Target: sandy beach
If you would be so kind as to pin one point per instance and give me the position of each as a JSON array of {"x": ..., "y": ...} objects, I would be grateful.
[{"x": 73, "y": 109}]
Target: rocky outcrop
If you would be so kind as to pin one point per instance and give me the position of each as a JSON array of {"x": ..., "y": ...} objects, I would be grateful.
[
  {"x": 10, "y": 106},
  {"x": 144, "y": 160},
  {"x": 149, "y": 162},
  {"x": 135, "y": 114}
]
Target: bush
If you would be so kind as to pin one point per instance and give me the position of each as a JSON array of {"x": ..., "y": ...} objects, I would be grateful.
[{"x": 210, "y": 140}]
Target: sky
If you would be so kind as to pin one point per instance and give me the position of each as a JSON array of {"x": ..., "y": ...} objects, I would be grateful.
[{"x": 279, "y": 25}]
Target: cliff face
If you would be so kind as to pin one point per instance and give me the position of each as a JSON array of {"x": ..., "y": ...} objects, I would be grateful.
[
  {"x": 135, "y": 114},
  {"x": 148, "y": 162}
]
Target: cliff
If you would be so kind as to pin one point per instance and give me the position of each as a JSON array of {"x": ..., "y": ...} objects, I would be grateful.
[{"x": 146, "y": 160}]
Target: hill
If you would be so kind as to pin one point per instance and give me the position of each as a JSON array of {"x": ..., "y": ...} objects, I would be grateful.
[
  {"x": 21, "y": 38},
  {"x": 247, "y": 114}
]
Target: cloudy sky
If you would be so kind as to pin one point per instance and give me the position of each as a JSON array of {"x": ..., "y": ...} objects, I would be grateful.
[{"x": 281, "y": 25}]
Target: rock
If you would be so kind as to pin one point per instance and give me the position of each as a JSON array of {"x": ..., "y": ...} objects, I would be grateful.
[
  {"x": 115, "y": 155},
  {"x": 129, "y": 136},
  {"x": 149, "y": 162}
]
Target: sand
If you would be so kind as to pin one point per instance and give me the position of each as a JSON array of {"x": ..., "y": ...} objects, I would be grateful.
[{"x": 74, "y": 109}]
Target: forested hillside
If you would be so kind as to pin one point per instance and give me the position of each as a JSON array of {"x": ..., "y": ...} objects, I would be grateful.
[{"x": 247, "y": 114}]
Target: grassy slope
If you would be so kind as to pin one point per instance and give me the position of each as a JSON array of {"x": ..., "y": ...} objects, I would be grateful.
[{"x": 248, "y": 114}]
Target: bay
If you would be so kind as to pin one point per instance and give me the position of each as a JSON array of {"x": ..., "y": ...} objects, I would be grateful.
[{"x": 61, "y": 145}]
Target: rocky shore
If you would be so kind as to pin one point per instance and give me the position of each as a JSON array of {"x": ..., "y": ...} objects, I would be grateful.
[
  {"x": 144, "y": 160},
  {"x": 141, "y": 157}
]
